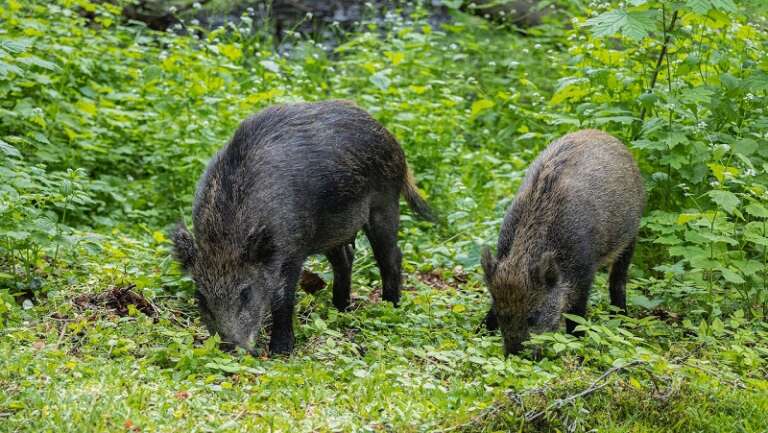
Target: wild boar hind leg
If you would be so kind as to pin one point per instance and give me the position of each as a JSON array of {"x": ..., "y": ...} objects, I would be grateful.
[
  {"x": 491, "y": 322},
  {"x": 341, "y": 261},
  {"x": 381, "y": 231}
]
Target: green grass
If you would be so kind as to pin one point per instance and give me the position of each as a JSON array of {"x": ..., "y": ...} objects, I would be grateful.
[
  {"x": 421, "y": 367},
  {"x": 106, "y": 127}
]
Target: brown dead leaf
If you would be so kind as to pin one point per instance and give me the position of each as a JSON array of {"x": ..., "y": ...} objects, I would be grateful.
[
  {"x": 128, "y": 424},
  {"x": 116, "y": 300},
  {"x": 310, "y": 282}
]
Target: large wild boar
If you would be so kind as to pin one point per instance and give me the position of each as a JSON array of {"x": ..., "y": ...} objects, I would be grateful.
[
  {"x": 578, "y": 208},
  {"x": 295, "y": 180}
]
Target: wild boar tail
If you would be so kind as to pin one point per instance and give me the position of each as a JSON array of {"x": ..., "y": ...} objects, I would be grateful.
[{"x": 415, "y": 201}]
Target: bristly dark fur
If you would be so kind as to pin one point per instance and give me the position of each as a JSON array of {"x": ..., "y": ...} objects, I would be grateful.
[
  {"x": 578, "y": 208},
  {"x": 295, "y": 180}
]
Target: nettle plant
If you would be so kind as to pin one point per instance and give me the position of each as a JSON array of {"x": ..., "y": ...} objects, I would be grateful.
[{"x": 685, "y": 84}]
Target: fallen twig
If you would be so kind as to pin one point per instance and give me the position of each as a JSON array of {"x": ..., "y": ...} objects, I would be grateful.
[
  {"x": 517, "y": 398},
  {"x": 598, "y": 384}
]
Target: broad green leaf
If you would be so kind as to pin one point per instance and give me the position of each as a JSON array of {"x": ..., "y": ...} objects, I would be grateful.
[
  {"x": 717, "y": 327},
  {"x": 6, "y": 68},
  {"x": 757, "y": 210},
  {"x": 720, "y": 171},
  {"x": 725, "y": 199},
  {"x": 396, "y": 57},
  {"x": 730, "y": 81},
  {"x": 577, "y": 319},
  {"x": 634, "y": 24},
  {"x": 380, "y": 80},
  {"x": 731, "y": 276},
  {"x": 452, "y": 4},
  {"x": 714, "y": 237},
  {"x": 9, "y": 150},
  {"x": 480, "y": 106},
  {"x": 642, "y": 301},
  {"x": 757, "y": 82},
  {"x": 232, "y": 52},
  {"x": 570, "y": 88},
  {"x": 15, "y": 46},
  {"x": 667, "y": 240},
  {"x": 270, "y": 66},
  {"x": 701, "y": 7},
  {"x": 757, "y": 239},
  {"x": 87, "y": 107},
  {"x": 34, "y": 60},
  {"x": 686, "y": 217},
  {"x": 724, "y": 5},
  {"x": 745, "y": 146}
]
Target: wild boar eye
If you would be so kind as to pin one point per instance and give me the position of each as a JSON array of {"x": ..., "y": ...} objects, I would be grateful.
[{"x": 245, "y": 295}]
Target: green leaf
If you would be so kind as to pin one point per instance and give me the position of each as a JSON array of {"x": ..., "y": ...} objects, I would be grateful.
[
  {"x": 380, "y": 80},
  {"x": 270, "y": 66},
  {"x": 687, "y": 217},
  {"x": 6, "y": 68},
  {"x": 717, "y": 327},
  {"x": 452, "y": 4},
  {"x": 634, "y": 25},
  {"x": 15, "y": 46},
  {"x": 481, "y": 105},
  {"x": 644, "y": 302},
  {"x": 730, "y": 81},
  {"x": 37, "y": 61},
  {"x": 234, "y": 53},
  {"x": 731, "y": 276},
  {"x": 745, "y": 146},
  {"x": 724, "y": 5},
  {"x": 577, "y": 319},
  {"x": 757, "y": 82},
  {"x": 757, "y": 210},
  {"x": 9, "y": 150},
  {"x": 701, "y": 7},
  {"x": 725, "y": 199},
  {"x": 756, "y": 239},
  {"x": 570, "y": 88},
  {"x": 227, "y": 368}
]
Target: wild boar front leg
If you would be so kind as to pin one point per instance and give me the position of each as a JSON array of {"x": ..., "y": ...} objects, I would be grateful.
[
  {"x": 617, "y": 282},
  {"x": 281, "y": 341}
]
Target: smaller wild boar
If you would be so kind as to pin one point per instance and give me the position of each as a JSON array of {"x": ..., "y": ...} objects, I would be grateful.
[
  {"x": 295, "y": 180},
  {"x": 578, "y": 208}
]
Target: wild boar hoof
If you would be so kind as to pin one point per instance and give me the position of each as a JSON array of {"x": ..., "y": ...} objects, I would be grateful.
[{"x": 284, "y": 347}]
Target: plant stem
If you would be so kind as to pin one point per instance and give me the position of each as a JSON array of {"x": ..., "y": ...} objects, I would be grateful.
[{"x": 660, "y": 59}]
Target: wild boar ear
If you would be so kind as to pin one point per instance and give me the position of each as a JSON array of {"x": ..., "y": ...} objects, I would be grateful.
[
  {"x": 489, "y": 263},
  {"x": 183, "y": 246},
  {"x": 258, "y": 246},
  {"x": 548, "y": 271}
]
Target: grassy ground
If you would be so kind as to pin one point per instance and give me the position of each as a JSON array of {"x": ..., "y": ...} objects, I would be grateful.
[
  {"x": 88, "y": 365},
  {"x": 98, "y": 327}
]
